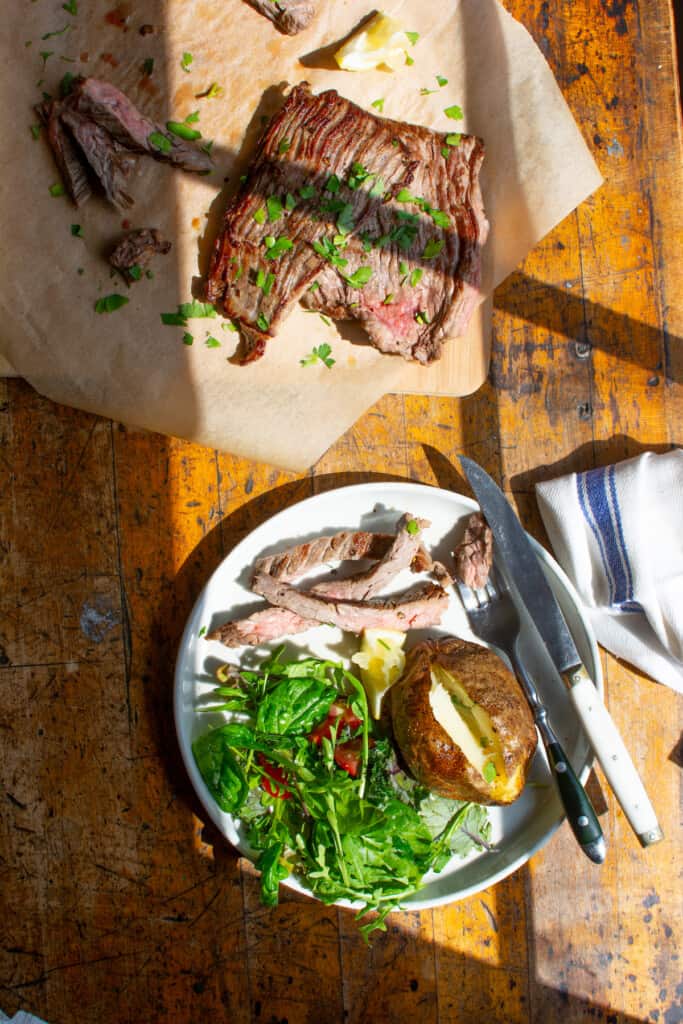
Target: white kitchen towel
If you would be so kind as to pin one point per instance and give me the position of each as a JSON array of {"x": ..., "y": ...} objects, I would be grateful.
[
  {"x": 617, "y": 532},
  {"x": 21, "y": 1017}
]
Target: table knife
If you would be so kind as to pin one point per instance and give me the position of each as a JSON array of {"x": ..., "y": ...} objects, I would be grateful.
[{"x": 517, "y": 559}]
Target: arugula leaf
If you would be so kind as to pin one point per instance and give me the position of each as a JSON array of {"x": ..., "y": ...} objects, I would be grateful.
[
  {"x": 295, "y": 705},
  {"x": 273, "y": 871}
]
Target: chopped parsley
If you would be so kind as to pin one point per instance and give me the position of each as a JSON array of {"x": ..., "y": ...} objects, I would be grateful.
[
  {"x": 192, "y": 118},
  {"x": 187, "y": 338},
  {"x": 332, "y": 184},
  {"x": 378, "y": 104},
  {"x": 326, "y": 248},
  {"x": 58, "y": 32},
  {"x": 35, "y": 130},
  {"x": 135, "y": 272},
  {"x": 290, "y": 202},
  {"x": 160, "y": 142},
  {"x": 433, "y": 248},
  {"x": 207, "y": 149},
  {"x": 427, "y": 92},
  {"x": 274, "y": 208},
  {"x": 110, "y": 303},
  {"x": 412, "y": 527},
  {"x": 322, "y": 353},
  {"x": 403, "y": 268},
  {"x": 388, "y": 299},
  {"x": 199, "y": 310},
  {"x": 405, "y": 196},
  {"x": 285, "y": 144},
  {"x": 441, "y": 80},
  {"x": 265, "y": 281},
  {"x": 413, "y": 37},
  {"x": 313, "y": 287},
  {"x": 183, "y": 131},
  {"x": 260, "y": 215},
  {"x": 212, "y": 93},
  {"x": 148, "y": 66},
  {"x": 212, "y": 342},
  {"x": 56, "y": 190},
  {"x": 173, "y": 320},
  {"x": 45, "y": 54},
  {"x": 440, "y": 219},
  {"x": 345, "y": 223},
  {"x": 421, "y": 317},
  {"x": 186, "y": 61},
  {"x": 359, "y": 278},
  {"x": 453, "y": 139},
  {"x": 71, "y": 7},
  {"x": 262, "y": 322},
  {"x": 358, "y": 175},
  {"x": 66, "y": 85},
  {"x": 445, "y": 152},
  {"x": 409, "y": 61},
  {"x": 276, "y": 247},
  {"x": 454, "y": 112},
  {"x": 308, "y": 192},
  {"x": 490, "y": 772},
  {"x": 415, "y": 277},
  {"x": 202, "y": 632}
]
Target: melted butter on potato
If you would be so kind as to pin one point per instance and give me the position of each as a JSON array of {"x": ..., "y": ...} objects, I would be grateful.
[
  {"x": 381, "y": 661},
  {"x": 470, "y": 727}
]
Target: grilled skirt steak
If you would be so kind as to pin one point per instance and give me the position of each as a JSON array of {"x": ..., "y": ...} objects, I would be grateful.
[
  {"x": 290, "y": 16},
  {"x": 384, "y": 219},
  {"x": 136, "y": 250}
]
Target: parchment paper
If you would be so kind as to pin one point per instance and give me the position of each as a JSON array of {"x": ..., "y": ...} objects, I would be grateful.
[{"x": 127, "y": 365}]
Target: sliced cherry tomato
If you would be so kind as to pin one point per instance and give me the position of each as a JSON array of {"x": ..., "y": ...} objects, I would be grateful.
[
  {"x": 337, "y": 711},
  {"x": 273, "y": 780},
  {"x": 348, "y": 755}
]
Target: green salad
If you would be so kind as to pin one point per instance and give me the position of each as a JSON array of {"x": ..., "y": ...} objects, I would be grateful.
[{"x": 318, "y": 789}]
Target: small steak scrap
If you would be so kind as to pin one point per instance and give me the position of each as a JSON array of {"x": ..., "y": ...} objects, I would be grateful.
[
  {"x": 290, "y": 16},
  {"x": 474, "y": 554},
  {"x": 357, "y": 216},
  {"x": 136, "y": 249}
]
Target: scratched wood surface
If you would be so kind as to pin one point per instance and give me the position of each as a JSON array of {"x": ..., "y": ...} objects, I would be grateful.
[{"x": 117, "y": 902}]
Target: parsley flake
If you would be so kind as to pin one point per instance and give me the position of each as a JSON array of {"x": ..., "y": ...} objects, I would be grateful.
[
  {"x": 110, "y": 303},
  {"x": 332, "y": 184},
  {"x": 274, "y": 208},
  {"x": 186, "y": 61},
  {"x": 262, "y": 322},
  {"x": 260, "y": 215},
  {"x": 265, "y": 281},
  {"x": 199, "y": 310},
  {"x": 285, "y": 144},
  {"x": 489, "y": 772},
  {"x": 378, "y": 104},
  {"x": 56, "y": 190},
  {"x": 415, "y": 277},
  {"x": 187, "y": 338},
  {"x": 454, "y": 112},
  {"x": 135, "y": 272},
  {"x": 192, "y": 118},
  {"x": 412, "y": 527},
  {"x": 441, "y": 80},
  {"x": 148, "y": 66},
  {"x": 212, "y": 93},
  {"x": 173, "y": 320},
  {"x": 308, "y": 192},
  {"x": 453, "y": 139},
  {"x": 322, "y": 353},
  {"x": 183, "y": 131},
  {"x": 35, "y": 130},
  {"x": 359, "y": 278},
  {"x": 413, "y": 37},
  {"x": 212, "y": 342},
  {"x": 160, "y": 142},
  {"x": 326, "y": 248},
  {"x": 409, "y": 60},
  {"x": 71, "y": 7},
  {"x": 290, "y": 202},
  {"x": 277, "y": 246},
  {"x": 433, "y": 248}
]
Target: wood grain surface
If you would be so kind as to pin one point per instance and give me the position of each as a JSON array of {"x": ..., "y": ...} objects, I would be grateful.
[{"x": 118, "y": 903}]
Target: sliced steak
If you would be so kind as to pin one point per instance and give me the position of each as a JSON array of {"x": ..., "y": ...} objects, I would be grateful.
[
  {"x": 261, "y": 627},
  {"x": 474, "y": 555},
  {"x": 422, "y": 606},
  {"x": 337, "y": 547},
  {"x": 385, "y": 218},
  {"x": 399, "y": 556},
  {"x": 72, "y": 168},
  {"x": 111, "y": 109},
  {"x": 110, "y": 162},
  {"x": 290, "y": 16},
  {"x": 136, "y": 249}
]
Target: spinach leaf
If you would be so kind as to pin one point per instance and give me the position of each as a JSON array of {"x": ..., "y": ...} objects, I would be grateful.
[
  {"x": 295, "y": 706},
  {"x": 272, "y": 873},
  {"x": 220, "y": 770}
]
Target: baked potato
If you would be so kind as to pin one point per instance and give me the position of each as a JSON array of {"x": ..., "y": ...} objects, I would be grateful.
[{"x": 462, "y": 723}]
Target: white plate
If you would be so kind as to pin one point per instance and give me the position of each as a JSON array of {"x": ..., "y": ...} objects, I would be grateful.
[{"x": 517, "y": 831}]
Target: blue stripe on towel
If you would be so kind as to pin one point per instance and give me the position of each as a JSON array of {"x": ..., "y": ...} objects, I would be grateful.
[{"x": 598, "y": 501}]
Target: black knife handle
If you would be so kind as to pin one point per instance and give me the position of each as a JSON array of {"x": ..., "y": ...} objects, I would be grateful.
[{"x": 579, "y": 810}]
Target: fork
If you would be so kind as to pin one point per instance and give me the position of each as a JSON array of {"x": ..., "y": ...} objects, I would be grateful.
[{"x": 494, "y": 618}]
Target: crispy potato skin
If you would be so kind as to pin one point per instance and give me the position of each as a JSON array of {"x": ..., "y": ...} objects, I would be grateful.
[{"x": 428, "y": 750}]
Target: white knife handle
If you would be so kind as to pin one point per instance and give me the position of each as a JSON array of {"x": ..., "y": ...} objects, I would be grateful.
[{"x": 613, "y": 756}]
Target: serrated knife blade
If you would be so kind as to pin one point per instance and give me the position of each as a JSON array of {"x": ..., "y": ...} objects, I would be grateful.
[{"x": 520, "y": 565}]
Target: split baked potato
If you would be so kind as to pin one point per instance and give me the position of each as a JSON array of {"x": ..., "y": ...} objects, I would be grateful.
[{"x": 462, "y": 723}]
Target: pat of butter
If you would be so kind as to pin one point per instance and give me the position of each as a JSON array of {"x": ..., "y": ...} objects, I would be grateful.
[{"x": 469, "y": 726}]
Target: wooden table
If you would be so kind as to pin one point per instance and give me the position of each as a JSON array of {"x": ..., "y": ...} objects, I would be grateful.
[{"x": 118, "y": 904}]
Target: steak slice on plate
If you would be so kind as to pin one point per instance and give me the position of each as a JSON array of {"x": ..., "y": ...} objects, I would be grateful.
[
  {"x": 136, "y": 249},
  {"x": 110, "y": 162},
  {"x": 70, "y": 163}
]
